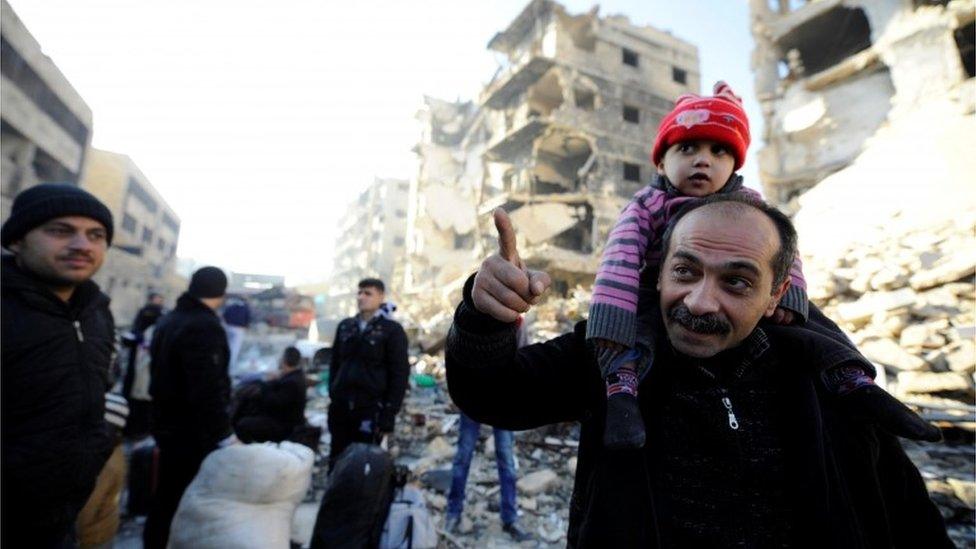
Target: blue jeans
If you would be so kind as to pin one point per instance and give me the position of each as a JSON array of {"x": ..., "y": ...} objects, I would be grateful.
[{"x": 467, "y": 438}]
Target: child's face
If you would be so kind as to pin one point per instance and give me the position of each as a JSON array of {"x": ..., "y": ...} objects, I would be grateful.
[{"x": 697, "y": 168}]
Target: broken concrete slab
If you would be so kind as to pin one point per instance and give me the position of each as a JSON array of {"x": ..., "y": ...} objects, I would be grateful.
[
  {"x": 932, "y": 382},
  {"x": 890, "y": 354},
  {"x": 537, "y": 482},
  {"x": 870, "y": 304}
]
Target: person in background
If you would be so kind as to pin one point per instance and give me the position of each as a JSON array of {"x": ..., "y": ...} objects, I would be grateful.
[
  {"x": 468, "y": 432},
  {"x": 190, "y": 390},
  {"x": 368, "y": 374},
  {"x": 278, "y": 403},
  {"x": 237, "y": 318},
  {"x": 137, "y": 341}
]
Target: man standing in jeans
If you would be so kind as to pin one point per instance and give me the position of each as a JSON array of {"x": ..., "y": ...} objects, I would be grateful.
[{"x": 468, "y": 432}]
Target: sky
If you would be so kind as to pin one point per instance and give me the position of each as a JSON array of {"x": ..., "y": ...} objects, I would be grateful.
[{"x": 258, "y": 122}]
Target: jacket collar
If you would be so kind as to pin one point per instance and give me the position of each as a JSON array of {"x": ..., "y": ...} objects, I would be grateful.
[
  {"x": 187, "y": 302},
  {"x": 17, "y": 281},
  {"x": 662, "y": 183}
]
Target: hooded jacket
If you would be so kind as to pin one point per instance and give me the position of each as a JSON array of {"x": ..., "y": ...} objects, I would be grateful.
[
  {"x": 56, "y": 358},
  {"x": 743, "y": 451},
  {"x": 190, "y": 385}
]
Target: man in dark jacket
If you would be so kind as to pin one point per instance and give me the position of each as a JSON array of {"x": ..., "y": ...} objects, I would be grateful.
[
  {"x": 278, "y": 403},
  {"x": 744, "y": 447},
  {"x": 190, "y": 391},
  {"x": 58, "y": 344},
  {"x": 368, "y": 373}
]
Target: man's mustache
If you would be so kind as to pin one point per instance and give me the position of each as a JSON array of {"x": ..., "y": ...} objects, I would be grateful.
[
  {"x": 702, "y": 324},
  {"x": 78, "y": 255}
]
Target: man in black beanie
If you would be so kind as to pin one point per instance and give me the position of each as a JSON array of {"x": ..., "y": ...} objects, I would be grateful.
[
  {"x": 58, "y": 343},
  {"x": 190, "y": 391}
]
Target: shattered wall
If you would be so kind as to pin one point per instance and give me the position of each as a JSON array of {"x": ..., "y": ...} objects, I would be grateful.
[{"x": 830, "y": 74}]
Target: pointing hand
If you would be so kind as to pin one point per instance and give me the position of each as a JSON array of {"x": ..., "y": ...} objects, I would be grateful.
[{"x": 503, "y": 287}]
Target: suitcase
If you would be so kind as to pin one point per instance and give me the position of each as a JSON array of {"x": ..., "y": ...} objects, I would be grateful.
[
  {"x": 357, "y": 499},
  {"x": 143, "y": 476}
]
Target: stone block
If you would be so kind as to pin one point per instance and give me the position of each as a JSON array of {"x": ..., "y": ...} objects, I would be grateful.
[
  {"x": 932, "y": 382},
  {"x": 889, "y": 353}
]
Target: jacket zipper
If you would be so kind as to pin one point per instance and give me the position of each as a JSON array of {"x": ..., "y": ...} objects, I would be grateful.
[
  {"x": 81, "y": 336},
  {"x": 733, "y": 422}
]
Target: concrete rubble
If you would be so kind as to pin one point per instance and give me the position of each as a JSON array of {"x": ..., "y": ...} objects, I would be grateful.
[{"x": 869, "y": 143}]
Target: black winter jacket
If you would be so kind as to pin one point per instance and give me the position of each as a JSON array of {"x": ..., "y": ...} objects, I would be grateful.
[
  {"x": 283, "y": 400},
  {"x": 190, "y": 384},
  {"x": 369, "y": 368},
  {"x": 56, "y": 360},
  {"x": 845, "y": 483}
]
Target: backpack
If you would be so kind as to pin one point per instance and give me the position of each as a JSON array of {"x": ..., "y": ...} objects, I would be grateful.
[
  {"x": 356, "y": 500},
  {"x": 409, "y": 525}
]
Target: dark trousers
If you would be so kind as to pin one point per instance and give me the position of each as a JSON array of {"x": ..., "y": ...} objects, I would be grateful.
[
  {"x": 347, "y": 426},
  {"x": 177, "y": 467}
]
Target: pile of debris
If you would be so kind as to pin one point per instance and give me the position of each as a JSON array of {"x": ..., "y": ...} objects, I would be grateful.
[
  {"x": 907, "y": 300},
  {"x": 425, "y": 442}
]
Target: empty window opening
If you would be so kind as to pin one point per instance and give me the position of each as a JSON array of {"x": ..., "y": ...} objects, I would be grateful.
[
  {"x": 920, "y": 3},
  {"x": 679, "y": 75},
  {"x": 849, "y": 33},
  {"x": 129, "y": 223},
  {"x": 578, "y": 237},
  {"x": 631, "y": 172},
  {"x": 585, "y": 99},
  {"x": 966, "y": 42},
  {"x": 631, "y": 114},
  {"x": 630, "y": 57},
  {"x": 546, "y": 95},
  {"x": 560, "y": 159}
]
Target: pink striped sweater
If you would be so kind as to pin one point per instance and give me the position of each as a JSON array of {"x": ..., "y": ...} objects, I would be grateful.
[{"x": 635, "y": 244}]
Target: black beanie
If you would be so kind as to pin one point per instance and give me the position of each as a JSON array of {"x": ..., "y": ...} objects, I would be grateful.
[
  {"x": 208, "y": 282},
  {"x": 41, "y": 203}
]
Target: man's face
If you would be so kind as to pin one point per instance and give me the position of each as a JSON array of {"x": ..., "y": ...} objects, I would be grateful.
[
  {"x": 716, "y": 279},
  {"x": 369, "y": 299},
  {"x": 64, "y": 251},
  {"x": 156, "y": 300},
  {"x": 697, "y": 167}
]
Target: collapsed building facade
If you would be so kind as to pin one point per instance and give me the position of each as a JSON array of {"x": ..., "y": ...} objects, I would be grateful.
[
  {"x": 830, "y": 74},
  {"x": 560, "y": 137}
]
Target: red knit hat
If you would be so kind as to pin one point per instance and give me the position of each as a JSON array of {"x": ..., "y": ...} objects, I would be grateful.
[{"x": 718, "y": 118}]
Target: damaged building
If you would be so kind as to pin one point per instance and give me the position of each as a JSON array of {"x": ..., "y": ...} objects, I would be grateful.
[
  {"x": 560, "y": 137},
  {"x": 572, "y": 112},
  {"x": 45, "y": 125},
  {"x": 371, "y": 240},
  {"x": 830, "y": 74}
]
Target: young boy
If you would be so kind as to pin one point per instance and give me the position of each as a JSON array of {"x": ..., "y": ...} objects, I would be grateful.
[{"x": 699, "y": 145}]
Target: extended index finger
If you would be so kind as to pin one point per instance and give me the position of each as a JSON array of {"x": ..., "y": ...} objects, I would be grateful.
[{"x": 506, "y": 238}]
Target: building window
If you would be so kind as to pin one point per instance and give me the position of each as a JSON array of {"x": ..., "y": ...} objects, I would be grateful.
[
  {"x": 631, "y": 172},
  {"x": 161, "y": 245},
  {"x": 401, "y": 213},
  {"x": 585, "y": 99},
  {"x": 679, "y": 75},
  {"x": 129, "y": 223},
  {"x": 630, "y": 57},
  {"x": 147, "y": 235},
  {"x": 631, "y": 114},
  {"x": 398, "y": 241}
]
